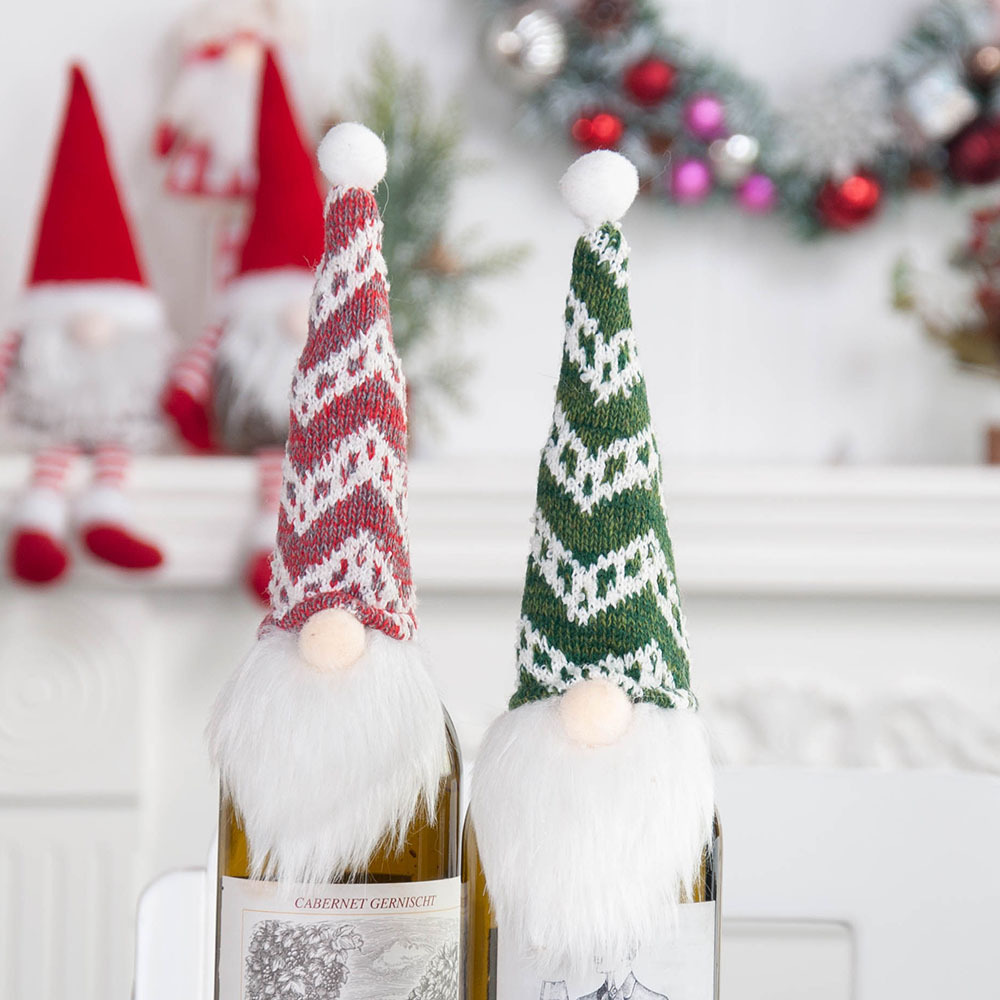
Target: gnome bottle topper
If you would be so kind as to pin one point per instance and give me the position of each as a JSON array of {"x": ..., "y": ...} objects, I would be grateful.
[
  {"x": 592, "y": 798},
  {"x": 231, "y": 388},
  {"x": 86, "y": 359},
  {"x": 330, "y": 737}
]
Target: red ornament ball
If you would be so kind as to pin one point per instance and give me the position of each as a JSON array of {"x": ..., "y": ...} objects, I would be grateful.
[
  {"x": 974, "y": 154},
  {"x": 847, "y": 203},
  {"x": 650, "y": 81},
  {"x": 600, "y": 131}
]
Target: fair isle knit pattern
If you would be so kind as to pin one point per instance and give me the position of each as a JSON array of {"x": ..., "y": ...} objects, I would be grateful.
[
  {"x": 600, "y": 595},
  {"x": 342, "y": 536}
]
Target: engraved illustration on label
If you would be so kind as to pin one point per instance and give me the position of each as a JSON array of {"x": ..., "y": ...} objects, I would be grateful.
[
  {"x": 339, "y": 942},
  {"x": 683, "y": 968}
]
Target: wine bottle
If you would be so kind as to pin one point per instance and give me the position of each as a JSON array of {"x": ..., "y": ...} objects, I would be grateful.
[
  {"x": 684, "y": 963},
  {"x": 318, "y": 933},
  {"x": 338, "y": 845},
  {"x": 592, "y": 849}
]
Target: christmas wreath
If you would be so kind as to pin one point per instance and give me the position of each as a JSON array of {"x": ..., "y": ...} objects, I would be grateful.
[{"x": 607, "y": 74}]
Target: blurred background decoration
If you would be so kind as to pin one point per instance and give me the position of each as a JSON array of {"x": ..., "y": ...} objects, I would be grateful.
[
  {"x": 206, "y": 129},
  {"x": 206, "y": 135},
  {"x": 965, "y": 319},
  {"x": 208, "y": 119},
  {"x": 84, "y": 361},
  {"x": 610, "y": 74}
]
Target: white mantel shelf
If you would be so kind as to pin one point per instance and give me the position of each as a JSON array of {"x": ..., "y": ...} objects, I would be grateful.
[{"x": 736, "y": 529}]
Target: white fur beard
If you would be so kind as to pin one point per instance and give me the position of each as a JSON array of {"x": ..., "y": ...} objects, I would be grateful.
[
  {"x": 587, "y": 850},
  {"x": 66, "y": 392},
  {"x": 322, "y": 767}
]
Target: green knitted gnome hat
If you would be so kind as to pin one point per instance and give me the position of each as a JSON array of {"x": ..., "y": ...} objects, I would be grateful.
[{"x": 600, "y": 596}]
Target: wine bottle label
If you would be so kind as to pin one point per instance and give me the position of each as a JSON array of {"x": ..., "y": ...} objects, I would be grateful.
[
  {"x": 681, "y": 967},
  {"x": 315, "y": 942}
]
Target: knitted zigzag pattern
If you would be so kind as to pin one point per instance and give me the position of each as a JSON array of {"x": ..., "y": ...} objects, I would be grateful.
[
  {"x": 600, "y": 597},
  {"x": 342, "y": 536}
]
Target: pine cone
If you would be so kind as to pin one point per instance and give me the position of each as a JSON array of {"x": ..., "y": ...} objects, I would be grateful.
[
  {"x": 439, "y": 260},
  {"x": 602, "y": 17}
]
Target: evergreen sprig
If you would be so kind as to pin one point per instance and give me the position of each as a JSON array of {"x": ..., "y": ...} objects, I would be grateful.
[{"x": 434, "y": 273}]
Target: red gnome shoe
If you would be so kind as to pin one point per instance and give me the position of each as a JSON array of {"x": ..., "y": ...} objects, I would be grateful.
[
  {"x": 115, "y": 544},
  {"x": 36, "y": 557},
  {"x": 105, "y": 530},
  {"x": 37, "y": 550}
]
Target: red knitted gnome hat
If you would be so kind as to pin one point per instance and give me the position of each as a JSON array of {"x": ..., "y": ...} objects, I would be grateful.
[
  {"x": 287, "y": 225},
  {"x": 84, "y": 234},
  {"x": 342, "y": 533}
]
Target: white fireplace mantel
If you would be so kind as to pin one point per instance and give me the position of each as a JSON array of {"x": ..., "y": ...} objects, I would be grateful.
[{"x": 747, "y": 530}]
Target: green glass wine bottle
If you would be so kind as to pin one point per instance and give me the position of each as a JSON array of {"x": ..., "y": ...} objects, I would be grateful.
[{"x": 592, "y": 857}]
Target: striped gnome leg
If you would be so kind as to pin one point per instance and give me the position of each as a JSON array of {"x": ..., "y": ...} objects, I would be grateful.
[
  {"x": 265, "y": 526},
  {"x": 37, "y": 552},
  {"x": 186, "y": 400},
  {"x": 105, "y": 515}
]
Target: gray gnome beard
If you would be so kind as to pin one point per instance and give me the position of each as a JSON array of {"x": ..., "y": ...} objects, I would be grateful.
[
  {"x": 64, "y": 391},
  {"x": 251, "y": 381}
]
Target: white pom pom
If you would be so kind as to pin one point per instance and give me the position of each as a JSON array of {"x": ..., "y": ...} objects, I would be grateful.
[
  {"x": 600, "y": 186},
  {"x": 352, "y": 155}
]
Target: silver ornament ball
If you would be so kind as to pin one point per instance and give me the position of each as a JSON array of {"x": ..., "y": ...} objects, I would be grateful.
[
  {"x": 733, "y": 159},
  {"x": 937, "y": 105},
  {"x": 529, "y": 44}
]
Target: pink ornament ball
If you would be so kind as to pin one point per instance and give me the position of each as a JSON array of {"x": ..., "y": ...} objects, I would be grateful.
[
  {"x": 690, "y": 181},
  {"x": 705, "y": 117},
  {"x": 757, "y": 194}
]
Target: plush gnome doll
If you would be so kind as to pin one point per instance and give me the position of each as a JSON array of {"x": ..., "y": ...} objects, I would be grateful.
[
  {"x": 231, "y": 388},
  {"x": 207, "y": 126},
  {"x": 330, "y": 734},
  {"x": 86, "y": 359},
  {"x": 592, "y": 797}
]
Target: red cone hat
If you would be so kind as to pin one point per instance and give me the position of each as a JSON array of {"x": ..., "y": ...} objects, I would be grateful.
[
  {"x": 84, "y": 234},
  {"x": 342, "y": 533},
  {"x": 287, "y": 225}
]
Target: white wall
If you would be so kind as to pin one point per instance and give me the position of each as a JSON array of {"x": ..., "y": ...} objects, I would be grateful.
[{"x": 756, "y": 346}]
